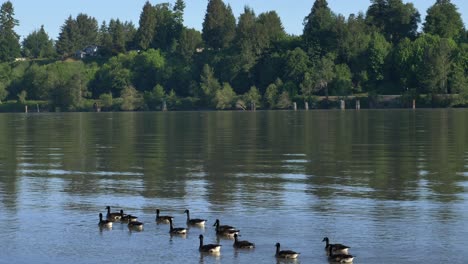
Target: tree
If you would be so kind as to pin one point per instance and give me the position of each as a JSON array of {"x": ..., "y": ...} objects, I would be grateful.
[
  {"x": 437, "y": 64},
  {"x": 209, "y": 83},
  {"x": 88, "y": 30},
  {"x": 154, "y": 98},
  {"x": 307, "y": 85},
  {"x": 444, "y": 20},
  {"x": 378, "y": 52},
  {"x": 271, "y": 26},
  {"x": 131, "y": 99},
  {"x": 318, "y": 34},
  {"x": 219, "y": 25},
  {"x": 297, "y": 63},
  {"x": 147, "y": 27},
  {"x": 66, "y": 43},
  {"x": 38, "y": 45},
  {"x": 341, "y": 83},
  {"x": 168, "y": 27},
  {"x": 324, "y": 73},
  {"x": 117, "y": 34},
  {"x": 9, "y": 40},
  {"x": 393, "y": 19},
  {"x": 253, "y": 96},
  {"x": 190, "y": 41},
  {"x": 284, "y": 100},
  {"x": 247, "y": 40},
  {"x": 271, "y": 95},
  {"x": 76, "y": 34},
  {"x": 224, "y": 97}
]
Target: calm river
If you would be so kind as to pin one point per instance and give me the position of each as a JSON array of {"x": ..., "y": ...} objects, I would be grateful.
[{"x": 391, "y": 184}]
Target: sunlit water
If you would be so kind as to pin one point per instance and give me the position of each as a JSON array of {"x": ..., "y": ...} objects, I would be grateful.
[{"x": 390, "y": 184}]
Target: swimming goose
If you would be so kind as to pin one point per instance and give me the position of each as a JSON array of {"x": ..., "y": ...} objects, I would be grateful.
[
  {"x": 104, "y": 223},
  {"x": 127, "y": 218},
  {"x": 162, "y": 218},
  {"x": 287, "y": 254},
  {"x": 341, "y": 258},
  {"x": 336, "y": 248},
  {"x": 176, "y": 230},
  {"x": 225, "y": 230},
  {"x": 135, "y": 225},
  {"x": 209, "y": 248},
  {"x": 194, "y": 221},
  {"x": 112, "y": 216},
  {"x": 244, "y": 244}
]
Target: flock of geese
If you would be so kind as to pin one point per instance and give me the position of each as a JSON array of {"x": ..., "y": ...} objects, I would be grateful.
[{"x": 335, "y": 252}]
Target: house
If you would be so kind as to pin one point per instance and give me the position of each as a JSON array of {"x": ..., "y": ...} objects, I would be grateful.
[{"x": 89, "y": 51}]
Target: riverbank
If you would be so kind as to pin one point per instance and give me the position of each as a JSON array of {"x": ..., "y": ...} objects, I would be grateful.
[{"x": 316, "y": 102}]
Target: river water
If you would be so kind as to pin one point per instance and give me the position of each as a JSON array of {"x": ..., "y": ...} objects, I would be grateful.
[{"x": 391, "y": 184}]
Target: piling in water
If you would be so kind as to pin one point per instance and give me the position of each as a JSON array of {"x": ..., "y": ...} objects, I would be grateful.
[
  {"x": 295, "y": 106},
  {"x": 342, "y": 104},
  {"x": 414, "y": 104},
  {"x": 358, "y": 105},
  {"x": 306, "y": 106}
]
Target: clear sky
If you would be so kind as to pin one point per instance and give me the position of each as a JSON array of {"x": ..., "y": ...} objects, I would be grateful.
[{"x": 52, "y": 13}]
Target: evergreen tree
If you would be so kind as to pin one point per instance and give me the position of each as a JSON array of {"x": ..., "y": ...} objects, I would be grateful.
[
  {"x": 117, "y": 33},
  {"x": 271, "y": 26},
  {"x": 147, "y": 27},
  {"x": 318, "y": 34},
  {"x": 66, "y": 44},
  {"x": 166, "y": 30},
  {"x": 77, "y": 34},
  {"x": 104, "y": 40},
  {"x": 444, "y": 20},
  {"x": 247, "y": 39},
  {"x": 219, "y": 25},
  {"x": 9, "y": 40},
  {"x": 38, "y": 45},
  {"x": 88, "y": 30}
]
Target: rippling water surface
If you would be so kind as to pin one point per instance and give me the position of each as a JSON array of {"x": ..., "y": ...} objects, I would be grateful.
[{"x": 391, "y": 184}]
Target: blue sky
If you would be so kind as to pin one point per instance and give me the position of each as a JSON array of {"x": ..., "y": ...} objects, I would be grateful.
[{"x": 52, "y": 13}]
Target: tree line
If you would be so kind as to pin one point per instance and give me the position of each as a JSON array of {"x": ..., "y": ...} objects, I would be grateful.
[{"x": 233, "y": 63}]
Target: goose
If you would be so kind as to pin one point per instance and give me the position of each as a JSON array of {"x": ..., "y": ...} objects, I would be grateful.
[
  {"x": 287, "y": 254},
  {"x": 135, "y": 225},
  {"x": 209, "y": 248},
  {"x": 176, "y": 230},
  {"x": 162, "y": 218},
  {"x": 194, "y": 221},
  {"x": 104, "y": 223},
  {"x": 336, "y": 248},
  {"x": 244, "y": 244},
  {"x": 225, "y": 230},
  {"x": 127, "y": 218},
  {"x": 112, "y": 216},
  {"x": 341, "y": 258}
]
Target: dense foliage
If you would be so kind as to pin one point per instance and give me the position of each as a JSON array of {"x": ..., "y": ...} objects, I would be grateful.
[{"x": 238, "y": 63}]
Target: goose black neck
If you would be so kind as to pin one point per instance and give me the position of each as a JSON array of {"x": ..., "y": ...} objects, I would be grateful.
[
  {"x": 188, "y": 214},
  {"x": 201, "y": 241},
  {"x": 170, "y": 224},
  {"x": 277, "y": 248}
]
